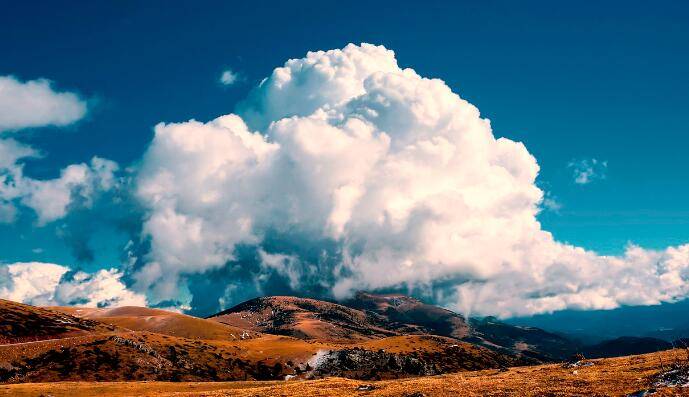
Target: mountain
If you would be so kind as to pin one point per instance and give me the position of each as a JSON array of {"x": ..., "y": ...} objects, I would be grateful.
[
  {"x": 371, "y": 316},
  {"x": 625, "y": 346},
  {"x": 668, "y": 335},
  {"x": 667, "y": 321},
  {"x": 305, "y": 319},
  {"x": 529, "y": 341},
  {"x": 409, "y": 315}
]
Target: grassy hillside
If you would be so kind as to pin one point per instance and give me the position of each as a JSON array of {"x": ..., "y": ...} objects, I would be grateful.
[{"x": 606, "y": 377}]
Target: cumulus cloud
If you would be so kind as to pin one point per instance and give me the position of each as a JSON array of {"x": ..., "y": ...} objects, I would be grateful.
[
  {"x": 585, "y": 171},
  {"x": 228, "y": 77},
  {"x": 343, "y": 171},
  {"x": 44, "y": 284},
  {"x": 50, "y": 199},
  {"x": 35, "y": 103}
]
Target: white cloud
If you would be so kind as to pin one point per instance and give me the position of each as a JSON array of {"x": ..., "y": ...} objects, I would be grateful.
[
  {"x": 228, "y": 77},
  {"x": 566, "y": 277},
  {"x": 34, "y": 103},
  {"x": 399, "y": 172},
  {"x": 30, "y": 282},
  {"x": 586, "y": 171},
  {"x": 551, "y": 203},
  {"x": 12, "y": 151},
  {"x": 44, "y": 284},
  {"x": 51, "y": 198}
]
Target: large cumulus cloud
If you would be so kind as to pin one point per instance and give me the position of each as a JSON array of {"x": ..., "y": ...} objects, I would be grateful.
[{"x": 398, "y": 180}]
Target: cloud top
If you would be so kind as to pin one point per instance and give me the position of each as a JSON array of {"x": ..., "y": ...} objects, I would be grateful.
[{"x": 344, "y": 171}]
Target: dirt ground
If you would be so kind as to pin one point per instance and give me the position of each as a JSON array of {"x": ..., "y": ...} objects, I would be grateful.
[{"x": 607, "y": 377}]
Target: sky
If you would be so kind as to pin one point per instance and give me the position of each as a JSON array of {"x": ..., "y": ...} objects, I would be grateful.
[{"x": 596, "y": 93}]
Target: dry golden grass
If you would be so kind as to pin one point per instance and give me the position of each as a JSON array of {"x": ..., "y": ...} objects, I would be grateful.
[
  {"x": 159, "y": 321},
  {"x": 607, "y": 377},
  {"x": 25, "y": 323}
]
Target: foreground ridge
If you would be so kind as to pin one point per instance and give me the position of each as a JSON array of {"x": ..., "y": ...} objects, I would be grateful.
[{"x": 622, "y": 376}]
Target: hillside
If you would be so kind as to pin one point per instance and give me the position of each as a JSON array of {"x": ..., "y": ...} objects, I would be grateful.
[
  {"x": 133, "y": 343},
  {"x": 407, "y": 314},
  {"x": 305, "y": 319},
  {"x": 370, "y": 316},
  {"x": 161, "y": 322},
  {"x": 22, "y": 323},
  {"x": 624, "y": 376},
  {"x": 531, "y": 342}
]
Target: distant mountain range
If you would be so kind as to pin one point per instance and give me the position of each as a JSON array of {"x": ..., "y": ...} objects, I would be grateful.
[
  {"x": 367, "y": 337},
  {"x": 667, "y": 321}
]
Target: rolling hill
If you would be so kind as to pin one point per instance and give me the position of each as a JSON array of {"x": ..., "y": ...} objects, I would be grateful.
[
  {"x": 161, "y": 322},
  {"x": 24, "y": 323}
]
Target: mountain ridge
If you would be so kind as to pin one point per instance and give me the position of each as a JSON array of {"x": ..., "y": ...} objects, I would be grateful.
[{"x": 373, "y": 316}]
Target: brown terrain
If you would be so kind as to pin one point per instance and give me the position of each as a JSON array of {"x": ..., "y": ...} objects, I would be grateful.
[
  {"x": 622, "y": 376},
  {"x": 160, "y": 322},
  {"x": 371, "y": 345},
  {"x": 369, "y": 316}
]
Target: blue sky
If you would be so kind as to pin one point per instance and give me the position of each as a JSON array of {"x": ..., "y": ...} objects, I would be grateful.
[{"x": 572, "y": 81}]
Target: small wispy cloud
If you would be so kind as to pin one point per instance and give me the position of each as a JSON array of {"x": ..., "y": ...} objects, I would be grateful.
[
  {"x": 229, "y": 77},
  {"x": 550, "y": 203},
  {"x": 586, "y": 171}
]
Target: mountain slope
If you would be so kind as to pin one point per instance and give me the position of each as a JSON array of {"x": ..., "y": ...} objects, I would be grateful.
[
  {"x": 371, "y": 316},
  {"x": 161, "y": 322},
  {"x": 21, "y": 323},
  {"x": 305, "y": 319},
  {"x": 409, "y": 315},
  {"x": 489, "y": 332},
  {"x": 531, "y": 342}
]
